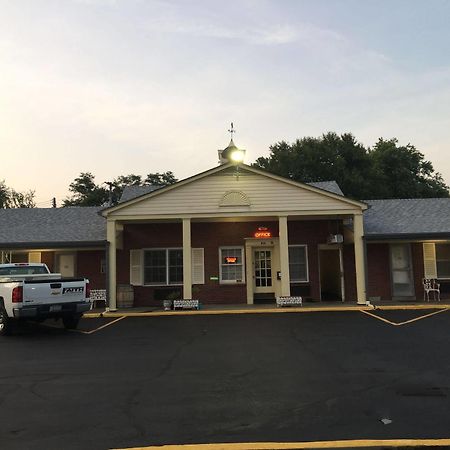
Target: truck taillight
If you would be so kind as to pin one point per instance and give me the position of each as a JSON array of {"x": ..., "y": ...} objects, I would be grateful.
[
  {"x": 17, "y": 294},
  {"x": 88, "y": 290}
]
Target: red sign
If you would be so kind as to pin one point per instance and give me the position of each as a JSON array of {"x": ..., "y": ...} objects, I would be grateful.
[
  {"x": 230, "y": 259},
  {"x": 263, "y": 233}
]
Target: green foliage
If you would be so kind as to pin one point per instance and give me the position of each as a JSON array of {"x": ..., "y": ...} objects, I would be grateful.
[
  {"x": 85, "y": 192},
  {"x": 402, "y": 172},
  {"x": 386, "y": 171},
  {"x": 10, "y": 198},
  {"x": 160, "y": 179}
]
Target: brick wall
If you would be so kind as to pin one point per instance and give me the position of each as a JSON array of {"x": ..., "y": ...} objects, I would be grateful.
[
  {"x": 211, "y": 236},
  {"x": 378, "y": 268},
  {"x": 88, "y": 264},
  {"x": 312, "y": 233},
  {"x": 349, "y": 273},
  {"x": 418, "y": 269},
  {"x": 379, "y": 276},
  {"x": 49, "y": 259}
]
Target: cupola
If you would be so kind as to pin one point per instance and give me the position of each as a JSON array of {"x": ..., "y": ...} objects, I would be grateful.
[{"x": 231, "y": 153}]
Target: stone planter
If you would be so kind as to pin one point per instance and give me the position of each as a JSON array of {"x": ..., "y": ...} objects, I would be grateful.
[{"x": 167, "y": 305}]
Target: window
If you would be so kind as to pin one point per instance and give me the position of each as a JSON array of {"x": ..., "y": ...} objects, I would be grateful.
[
  {"x": 231, "y": 264},
  {"x": 163, "y": 266},
  {"x": 298, "y": 263},
  {"x": 443, "y": 260}
]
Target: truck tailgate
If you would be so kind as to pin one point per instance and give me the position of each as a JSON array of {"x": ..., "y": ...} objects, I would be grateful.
[{"x": 39, "y": 292}]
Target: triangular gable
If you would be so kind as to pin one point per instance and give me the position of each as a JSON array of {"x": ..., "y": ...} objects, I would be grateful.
[{"x": 229, "y": 189}]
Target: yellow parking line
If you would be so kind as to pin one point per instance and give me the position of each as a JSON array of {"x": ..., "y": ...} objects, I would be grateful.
[
  {"x": 302, "y": 309},
  {"x": 422, "y": 317},
  {"x": 406, "y": 322},
  {"x": 360, "y": 443},
  {"x": 379, "y": 318},
  {"x": 224, "y": 312},
  {"x": 414, "y": 307},
  {"x": 99, "y": 328}
]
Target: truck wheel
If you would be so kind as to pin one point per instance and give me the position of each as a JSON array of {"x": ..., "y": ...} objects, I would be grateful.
[
  {"x": 71, "y": 322},
  {"x": 5, "y": 323}
]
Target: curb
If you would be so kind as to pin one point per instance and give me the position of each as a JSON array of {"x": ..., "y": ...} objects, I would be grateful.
[{"x": 264, "y": 311}]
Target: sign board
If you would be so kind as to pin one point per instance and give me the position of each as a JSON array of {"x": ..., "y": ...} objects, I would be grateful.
[{"x": 262, "y": 233}]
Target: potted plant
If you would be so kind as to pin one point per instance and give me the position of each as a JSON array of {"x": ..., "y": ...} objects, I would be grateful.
[{"x": 171, "y": 296}]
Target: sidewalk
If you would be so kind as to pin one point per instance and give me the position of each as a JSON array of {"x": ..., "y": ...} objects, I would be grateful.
[{"x": 149, "y": 311}]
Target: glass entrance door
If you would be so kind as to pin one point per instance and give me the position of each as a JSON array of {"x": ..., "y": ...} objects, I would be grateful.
[
  {"x": 401, "y": 269},
  {"x": 262, "y": 260}
]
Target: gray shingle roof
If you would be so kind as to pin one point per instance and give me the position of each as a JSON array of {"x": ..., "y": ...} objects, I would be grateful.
[
  {"x": 330, "y": 186},
  {"x": 407, "y": 217},
  {"x": 32, "y": 226},
  {"x": 130, "y": 192}
]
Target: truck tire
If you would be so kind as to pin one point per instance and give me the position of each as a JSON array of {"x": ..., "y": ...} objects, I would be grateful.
[
  {"x": 5, "y": 323},
  {"x": 71, "y": 322}
]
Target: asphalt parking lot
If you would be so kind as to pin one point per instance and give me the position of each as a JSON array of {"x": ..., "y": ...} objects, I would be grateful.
[{"x": 231, "y": 378}]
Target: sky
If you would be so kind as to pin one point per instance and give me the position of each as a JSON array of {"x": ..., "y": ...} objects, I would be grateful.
[{"x": 115, "y": 87}]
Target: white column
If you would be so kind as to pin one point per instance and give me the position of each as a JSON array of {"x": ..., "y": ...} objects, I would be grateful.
[
  {"x": 284, "y": 256},
  {"x": 112, "y": 269},
  {"x": 187, "y": 263},
  {"x": 358, "y": 232}
]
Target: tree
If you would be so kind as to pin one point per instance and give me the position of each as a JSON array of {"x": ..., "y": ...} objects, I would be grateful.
[
  {"x": 160, "y": 179},
  {"x": 121, "y": 182},
  {"x": 403, "y": 172},
  {"x": 85, "y": 192},
  {"x": 386, "y": 171},
  {"x": 4, "y": 195},
  {"x": 10, "y": 198}
]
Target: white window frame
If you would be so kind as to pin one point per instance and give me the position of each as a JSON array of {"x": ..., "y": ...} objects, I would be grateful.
[
  {"x": 167, "y": 249},
  {"x": 307, "y": 265},
  {"x": 227, "y": 247}
]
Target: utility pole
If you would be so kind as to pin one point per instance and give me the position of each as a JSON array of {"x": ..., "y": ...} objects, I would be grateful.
[{"x": 110, "y": 184}]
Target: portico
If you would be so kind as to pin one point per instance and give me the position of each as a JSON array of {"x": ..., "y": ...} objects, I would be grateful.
[{"x": 232, "y": 235}]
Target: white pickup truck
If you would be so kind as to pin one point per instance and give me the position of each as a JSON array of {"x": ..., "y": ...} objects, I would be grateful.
[{"x": 28, "y": 291}]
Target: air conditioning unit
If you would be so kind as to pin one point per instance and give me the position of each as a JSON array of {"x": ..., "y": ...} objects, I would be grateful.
[{"x": 335, "y": 239}]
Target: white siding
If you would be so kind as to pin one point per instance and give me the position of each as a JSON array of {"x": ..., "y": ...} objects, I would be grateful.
[{"x": 204, "y": 196}]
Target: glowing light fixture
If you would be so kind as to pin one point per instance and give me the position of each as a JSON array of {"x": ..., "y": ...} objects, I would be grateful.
[{"x": 237, "y": 156}]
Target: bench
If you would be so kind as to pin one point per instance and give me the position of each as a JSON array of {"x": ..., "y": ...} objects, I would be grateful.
[
  {"x": 289, "y": 301},
  {"x": 186, "y": 304},
  {"x": 98, "y": 295}
]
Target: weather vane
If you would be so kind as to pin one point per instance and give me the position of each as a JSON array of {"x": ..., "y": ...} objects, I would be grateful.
[{"x": 231, "y": 130}]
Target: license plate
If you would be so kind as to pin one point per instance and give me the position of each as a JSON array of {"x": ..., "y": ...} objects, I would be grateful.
[{"x": 55, "y": 308}]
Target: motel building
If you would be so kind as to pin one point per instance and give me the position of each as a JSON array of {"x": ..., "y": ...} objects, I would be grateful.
[{"x": 236, "y": 234}]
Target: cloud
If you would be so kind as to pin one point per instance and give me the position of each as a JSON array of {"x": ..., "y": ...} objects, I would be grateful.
[{"x": 260, "y": 34}]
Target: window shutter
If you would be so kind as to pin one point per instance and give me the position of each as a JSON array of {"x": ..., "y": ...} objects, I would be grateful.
[
  {"x": 429, "y": 261},
  {"x": 34, "y": 257},
  {"x": 198, "y": 269},
  {"x": 136, "y": 267}
]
